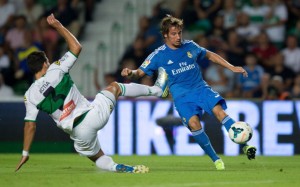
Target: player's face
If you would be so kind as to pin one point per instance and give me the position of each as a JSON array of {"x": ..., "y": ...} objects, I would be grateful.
[{"x": 173, "y": 38}]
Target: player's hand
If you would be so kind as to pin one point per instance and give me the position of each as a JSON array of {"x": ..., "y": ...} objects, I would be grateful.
[
  {"x": 53, "y": 21},
  {"x": 238, "y": 69},
  {"x": 23, "y": 160},
  {"x": 126, "y": 72}
]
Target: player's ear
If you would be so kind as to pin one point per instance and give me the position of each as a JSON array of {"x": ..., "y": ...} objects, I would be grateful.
[
  {"x": 165, "y": 35},
  {"x": 46, "y": 64}
]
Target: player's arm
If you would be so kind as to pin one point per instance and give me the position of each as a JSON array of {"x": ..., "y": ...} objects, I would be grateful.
[
  {"x": 219, "y": 60},
  {"x": 29, "y": 132},
  {"x": 132, "y": 74},
  {"x": 29, "y": 129},
  {"x": 73, "y": 44}
]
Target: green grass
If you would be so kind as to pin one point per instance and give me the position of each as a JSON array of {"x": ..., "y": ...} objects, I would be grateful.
[{"x": 165, "y": 171}]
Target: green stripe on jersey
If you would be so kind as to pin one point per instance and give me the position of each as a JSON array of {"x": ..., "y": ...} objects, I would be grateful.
[
  {"x": 73, "y": 54},
  {"x": 123, "y": 89},
  {"x": 55, "y": 100}
]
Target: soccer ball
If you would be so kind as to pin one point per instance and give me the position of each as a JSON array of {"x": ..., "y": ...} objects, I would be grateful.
[{"x": 240, "y": 132}]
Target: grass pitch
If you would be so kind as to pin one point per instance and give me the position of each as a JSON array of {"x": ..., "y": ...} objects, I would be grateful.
[{"x": 165, "y": 171}]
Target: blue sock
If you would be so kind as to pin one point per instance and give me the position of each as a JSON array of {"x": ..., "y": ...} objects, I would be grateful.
[
  {"x": 227, "y": 122},
  {"x": 202, "y": 139}
]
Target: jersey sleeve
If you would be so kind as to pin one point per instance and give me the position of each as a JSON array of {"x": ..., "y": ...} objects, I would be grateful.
[
  {"x": 66, "y": 62},
  {"x": 201, "y": 54},
  {"x": 149, "y": 66},
  {"x": 31, "y": 110}
]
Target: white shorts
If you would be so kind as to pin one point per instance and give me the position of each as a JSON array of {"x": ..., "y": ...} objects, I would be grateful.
[{"x": 84, "y": 134}]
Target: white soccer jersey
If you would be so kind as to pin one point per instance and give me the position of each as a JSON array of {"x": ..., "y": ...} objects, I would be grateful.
[{"x": 56, "y": 94}]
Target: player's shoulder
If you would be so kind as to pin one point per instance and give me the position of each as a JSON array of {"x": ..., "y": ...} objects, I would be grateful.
[
  {"x": 160, "y": 49},
  {"x": 157, "y": 52},
  {"x": 189, "y": 43},
  {"x": 35, "y": 86},
  {"x": 54, "y": 69},
  {"x": 64, "y": 61},
  {"x": 31, "y": 90},
  {"x": 186, "y": 42},
  {"x": 31, "y": 87}
]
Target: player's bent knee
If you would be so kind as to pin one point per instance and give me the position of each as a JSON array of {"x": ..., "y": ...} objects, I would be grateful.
[
  {"x": 115, "y": 85},
  {"x": 194, "y": 126},
  {"x": 114, "y": 88},
  {"x": 220, "y": 114}
]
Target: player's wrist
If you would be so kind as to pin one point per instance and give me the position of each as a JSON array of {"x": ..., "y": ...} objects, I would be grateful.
[
  {"x": 25, "y": 153},
  {"x": 131, "y": 74}
]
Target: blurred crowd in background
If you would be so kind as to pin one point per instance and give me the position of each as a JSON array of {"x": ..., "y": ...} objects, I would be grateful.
[
  {"x": 24, "y": 29},
  {"x": 263, "y": 36}
]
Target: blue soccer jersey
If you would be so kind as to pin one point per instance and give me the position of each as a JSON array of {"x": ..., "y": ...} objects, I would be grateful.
[
  {"x": 190, "y": 92},
  {"x": 181, "y": 65}
]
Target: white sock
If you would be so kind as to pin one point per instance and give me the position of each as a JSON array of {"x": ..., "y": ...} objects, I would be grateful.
[
  {"x": 106, "y": 163},
  {"x": 136, "y": 90}
]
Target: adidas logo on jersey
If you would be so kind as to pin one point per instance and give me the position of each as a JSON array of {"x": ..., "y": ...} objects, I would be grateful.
[{"x": 170, "y": 62}]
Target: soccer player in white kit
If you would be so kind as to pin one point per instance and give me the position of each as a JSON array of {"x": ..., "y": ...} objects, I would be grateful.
[{"x": 55, "y": 93}]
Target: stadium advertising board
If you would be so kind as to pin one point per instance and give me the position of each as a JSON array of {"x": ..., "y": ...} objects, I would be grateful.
[{"x": 132, "y": 128}]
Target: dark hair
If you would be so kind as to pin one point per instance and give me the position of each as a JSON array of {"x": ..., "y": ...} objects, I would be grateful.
[
  {"x": 168, "y": 22},
  {"x": 36, "y": 60}
]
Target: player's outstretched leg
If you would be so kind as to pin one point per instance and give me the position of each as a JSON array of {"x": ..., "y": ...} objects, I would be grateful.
[
  {"x": 249, "y": 150},
  {"x": 106, "y": 163},
  {"x": 160, "y": 88},
  {"x": 136, "y": 90}
]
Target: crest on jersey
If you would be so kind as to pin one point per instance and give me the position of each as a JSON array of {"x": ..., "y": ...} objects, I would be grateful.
[
  {"x": 57, "y": 63},
  {"x": 189, "y": 54},
  {"x": 25, "y": 99},
  {"x": 145, "y": 63}
]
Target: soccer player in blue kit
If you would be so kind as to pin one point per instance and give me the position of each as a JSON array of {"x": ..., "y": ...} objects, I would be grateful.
[{"x": 180, "y": 59}]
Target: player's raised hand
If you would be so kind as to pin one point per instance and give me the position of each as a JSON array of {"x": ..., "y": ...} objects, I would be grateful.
[
  {"x": 126, "y": 72},
  {"x": 238, "y": 69},
  {"x": 53, "y": 21},
  {"x": 23, "y": 160}
]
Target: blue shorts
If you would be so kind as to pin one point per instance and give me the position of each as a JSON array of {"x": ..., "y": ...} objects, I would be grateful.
[{"x": 195, "y": 103}]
